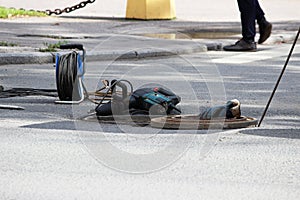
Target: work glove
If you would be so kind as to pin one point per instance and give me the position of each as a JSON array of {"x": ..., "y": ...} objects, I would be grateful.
[{"x": 228, "y": 111}]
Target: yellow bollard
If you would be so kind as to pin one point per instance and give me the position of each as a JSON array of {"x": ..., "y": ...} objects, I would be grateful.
[{"x": 150, "y": 9}]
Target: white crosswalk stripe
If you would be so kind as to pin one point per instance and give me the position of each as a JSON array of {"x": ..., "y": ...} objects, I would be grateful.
[{"x": 248, "y": 57}]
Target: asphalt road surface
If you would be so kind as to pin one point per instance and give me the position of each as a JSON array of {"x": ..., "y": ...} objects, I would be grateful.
[{"x": 47, "y": 154}]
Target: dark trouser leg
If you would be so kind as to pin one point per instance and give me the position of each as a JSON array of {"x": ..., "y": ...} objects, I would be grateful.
[
  {"x": 260, "y": 15},
  {"x": 248, "y": 17}
]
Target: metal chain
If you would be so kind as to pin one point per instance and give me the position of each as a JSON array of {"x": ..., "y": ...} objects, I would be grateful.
[{"x": 68, "y": 9}]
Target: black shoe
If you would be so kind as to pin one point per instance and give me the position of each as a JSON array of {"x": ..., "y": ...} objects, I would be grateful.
[
  {"x": 265, "y": 30},
  {"x": 241, "y": 45}
]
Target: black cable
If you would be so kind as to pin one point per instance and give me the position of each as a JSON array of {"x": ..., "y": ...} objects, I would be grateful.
[
  {"x": 20, "y": 92},
  {"x": 279, "y": 79},
  {"x": 67, "y": 80},
  {"x": 111, "y": 87}
]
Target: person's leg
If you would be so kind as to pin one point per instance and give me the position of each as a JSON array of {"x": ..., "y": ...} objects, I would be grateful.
[
  {"x": 260, "y": 15},
  {"x": 265, "y": 27},
  {"x": 248, "y": 16}
]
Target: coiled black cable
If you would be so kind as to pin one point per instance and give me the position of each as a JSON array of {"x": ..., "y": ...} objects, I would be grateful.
[{"x": 67, "y": 80}]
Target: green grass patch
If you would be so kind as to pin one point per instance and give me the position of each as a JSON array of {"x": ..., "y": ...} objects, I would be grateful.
[
  {"x": 7, "y": 44},
  {"x": 52, "y": 47},
  {"x": 12, "y": 12}
]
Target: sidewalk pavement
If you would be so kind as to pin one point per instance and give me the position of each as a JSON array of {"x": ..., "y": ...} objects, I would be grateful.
[
  {"x": 106, "y": 37},
  {"x": 186, "y": 10}
]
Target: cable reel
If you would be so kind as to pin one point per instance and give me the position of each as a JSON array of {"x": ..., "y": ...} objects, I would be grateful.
[{"x": 70, "y": 69}]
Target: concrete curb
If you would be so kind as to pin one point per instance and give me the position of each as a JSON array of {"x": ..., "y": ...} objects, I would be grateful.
[
  {"x": 25, "y": 58},
  {"x": 40, "y": 58},
  {"x": 144, "y": 53}
]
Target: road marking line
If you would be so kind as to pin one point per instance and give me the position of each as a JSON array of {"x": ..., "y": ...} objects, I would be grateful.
[{"x": 248, "y": 57}]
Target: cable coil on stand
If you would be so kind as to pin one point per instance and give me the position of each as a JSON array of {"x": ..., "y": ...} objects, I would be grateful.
[
  {"x": 66, "y": 77},
  {"x": 69, "y": 74}
]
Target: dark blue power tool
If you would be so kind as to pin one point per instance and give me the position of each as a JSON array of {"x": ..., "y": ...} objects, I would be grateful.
[
  {"x": 154, "y": 101},
  {"x": 158, "y": 100}
]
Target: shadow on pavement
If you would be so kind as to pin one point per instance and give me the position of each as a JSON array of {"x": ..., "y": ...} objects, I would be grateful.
[
  {"x": 279, "y": 133},
  {"x": 111, "y": 128}
]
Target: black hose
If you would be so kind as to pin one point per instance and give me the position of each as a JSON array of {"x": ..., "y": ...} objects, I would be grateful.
[
  {"x": 111, "y": 88},
  {"x": 20, "y": 92},
  {"x": 67, "y": 80}
]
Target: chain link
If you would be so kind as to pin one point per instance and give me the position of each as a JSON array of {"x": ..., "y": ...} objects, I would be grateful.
[{"x": 68, "y": 9}]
